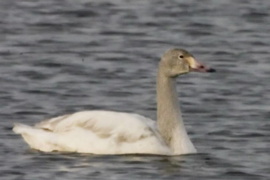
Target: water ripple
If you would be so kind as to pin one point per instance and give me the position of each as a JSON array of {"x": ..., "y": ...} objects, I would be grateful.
[{"x": 63, "y": 56}]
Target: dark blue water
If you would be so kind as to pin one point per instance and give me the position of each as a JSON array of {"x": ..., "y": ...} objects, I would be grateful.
[{"x": 63, "y": 56}]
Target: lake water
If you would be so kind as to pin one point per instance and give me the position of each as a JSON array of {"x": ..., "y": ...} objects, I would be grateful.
[{"x": 62, "y": 56}]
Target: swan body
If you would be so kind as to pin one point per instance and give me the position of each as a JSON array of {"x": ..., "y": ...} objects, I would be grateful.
[
  {"x": 108, "y": 132},
  {"x": 97, "y": 132}
]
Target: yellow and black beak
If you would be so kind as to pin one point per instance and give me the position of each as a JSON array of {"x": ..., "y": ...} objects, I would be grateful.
[{"x": 198, "y": 67}]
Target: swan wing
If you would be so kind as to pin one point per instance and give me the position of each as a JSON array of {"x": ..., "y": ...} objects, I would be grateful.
[
  {"x": 103, "y": 123},
  {"x": 99, "y": 132}
]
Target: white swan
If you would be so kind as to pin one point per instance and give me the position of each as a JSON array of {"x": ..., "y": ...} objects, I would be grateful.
[{"x": 107, "y": 132}]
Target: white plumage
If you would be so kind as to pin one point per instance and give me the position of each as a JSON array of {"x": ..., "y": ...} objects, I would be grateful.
[
  {"x": 107, "y": 132},
  {"x": 97, "y": 132}
]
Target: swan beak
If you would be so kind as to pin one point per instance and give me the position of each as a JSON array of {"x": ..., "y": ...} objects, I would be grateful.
[{"x": 198, "y": 67}]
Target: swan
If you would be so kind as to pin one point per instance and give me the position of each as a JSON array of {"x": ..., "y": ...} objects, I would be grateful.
[{"x": 109, "y": 132}]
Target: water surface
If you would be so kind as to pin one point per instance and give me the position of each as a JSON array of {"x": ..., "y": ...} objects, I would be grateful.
[{"x": 59, "y": 57}]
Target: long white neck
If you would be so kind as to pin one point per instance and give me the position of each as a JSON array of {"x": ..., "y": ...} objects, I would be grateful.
[{"x": 169, "y": 118}]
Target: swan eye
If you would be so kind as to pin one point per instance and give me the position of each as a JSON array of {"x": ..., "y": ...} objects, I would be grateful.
[{"x": 181, "y": 56}]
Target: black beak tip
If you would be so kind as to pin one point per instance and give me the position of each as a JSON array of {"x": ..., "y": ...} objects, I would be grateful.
[{"x": 211, "y": 70}]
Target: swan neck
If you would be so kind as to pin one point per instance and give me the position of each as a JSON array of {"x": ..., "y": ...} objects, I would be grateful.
[
  {"x": 169, "y": 118},
  {"x": 168, "y": 109}
]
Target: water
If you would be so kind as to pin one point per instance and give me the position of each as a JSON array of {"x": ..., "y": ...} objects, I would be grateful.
[{"x": 64, "y": 56}]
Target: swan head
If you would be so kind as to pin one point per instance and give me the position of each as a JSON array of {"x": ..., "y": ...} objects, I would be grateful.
[{"x": 179, "y": 61}]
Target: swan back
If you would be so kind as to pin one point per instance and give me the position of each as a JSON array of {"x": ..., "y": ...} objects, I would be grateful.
[{"x": 99, "y": 132}]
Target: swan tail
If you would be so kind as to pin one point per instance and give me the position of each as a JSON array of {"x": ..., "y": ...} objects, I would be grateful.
[
  {"x": 36, "y": 138},
  {"x": 20, "y": 128}
]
